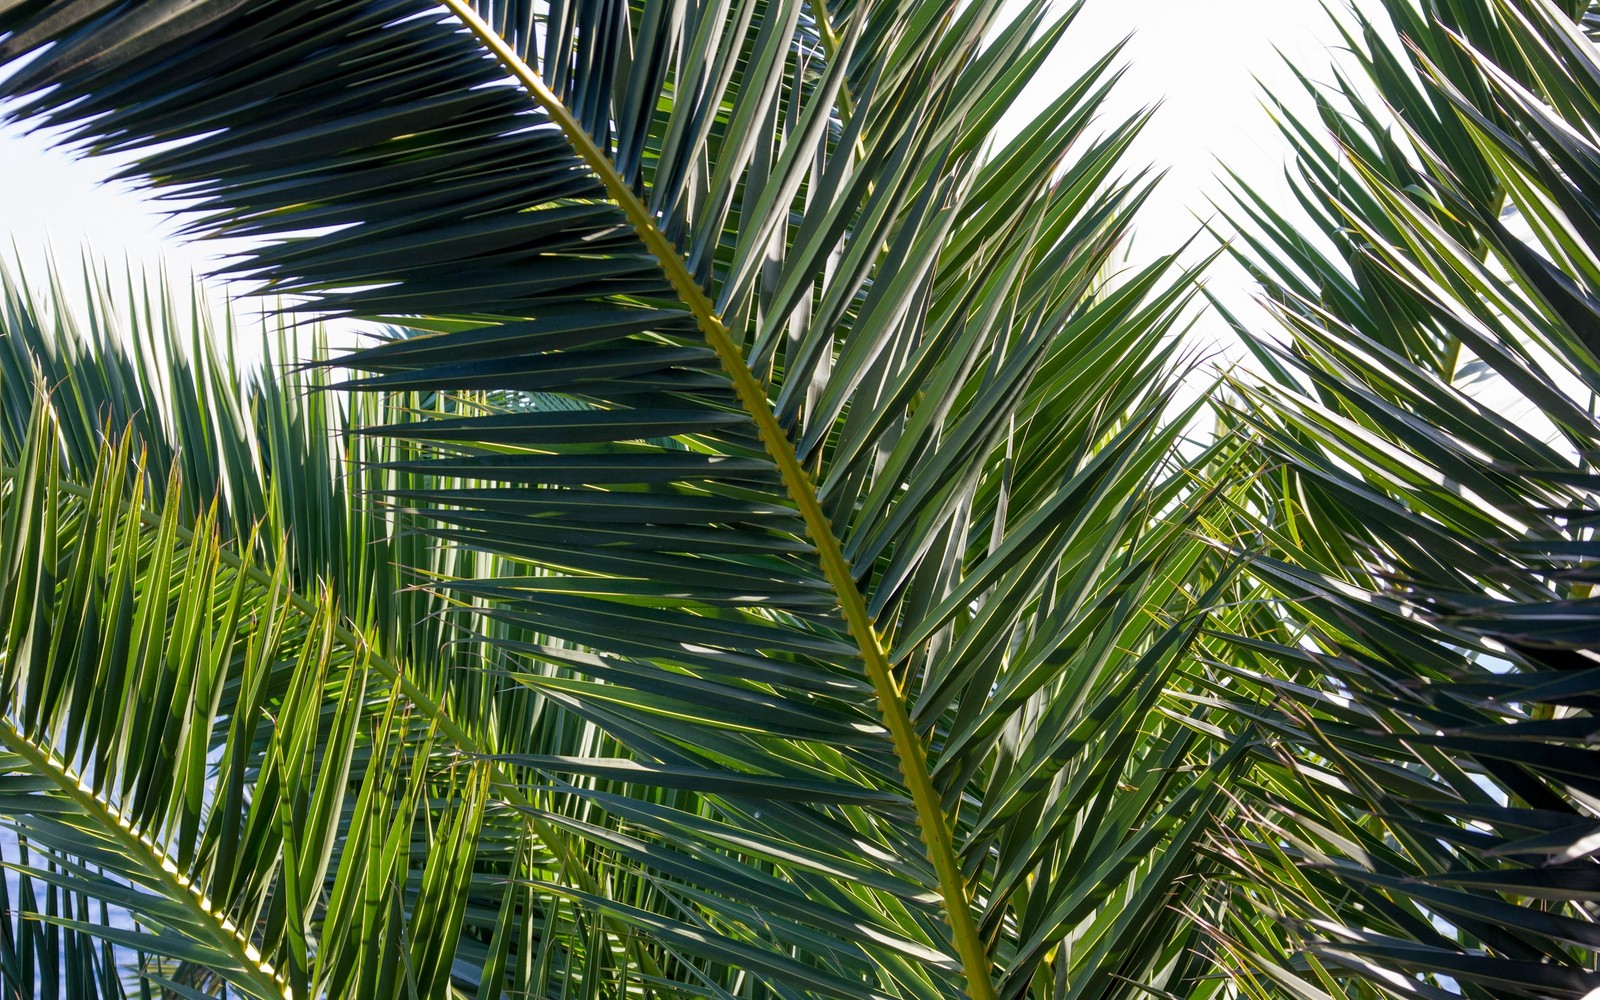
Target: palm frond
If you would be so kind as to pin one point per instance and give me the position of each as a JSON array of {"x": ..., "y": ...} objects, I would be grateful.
[
  {"x": 1417, "y": 642},
  {"x": 199, "y": 755},
  {"x": 900, "y": 600},
  {"x": 472, "y": 712}
]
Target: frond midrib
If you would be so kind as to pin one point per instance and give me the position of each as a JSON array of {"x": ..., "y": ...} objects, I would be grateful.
[
  {"x": 180, "y": 889},
  {"x": 936, "y": 833}
]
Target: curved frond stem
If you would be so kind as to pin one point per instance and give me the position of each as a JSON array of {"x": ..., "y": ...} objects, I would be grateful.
[
  {"x": 937, "y": 836},
  {"x": 261, "y": 976}
]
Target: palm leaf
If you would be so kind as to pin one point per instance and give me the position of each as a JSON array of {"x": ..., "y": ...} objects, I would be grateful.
[
  {"x": 290, "y": 448},
  {"x": 181, "y": 743},
  {"x": 897, "y": 603},
  {"x": 1420, "y": 651}
]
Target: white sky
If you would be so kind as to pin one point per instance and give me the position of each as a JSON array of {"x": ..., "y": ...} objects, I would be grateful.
[{"x": 1198, "y": 58}]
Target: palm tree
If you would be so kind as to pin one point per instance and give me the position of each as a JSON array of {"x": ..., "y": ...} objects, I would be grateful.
[
  {"x": 1416, "y": 640},
  {"x": 815, "y": 597},
  {"x": 821, "y": 631}
]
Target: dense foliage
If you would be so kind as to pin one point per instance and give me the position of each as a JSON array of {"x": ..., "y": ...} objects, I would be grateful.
[{"x": 764, "y": 550}]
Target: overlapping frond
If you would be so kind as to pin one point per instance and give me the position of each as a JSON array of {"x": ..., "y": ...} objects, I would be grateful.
[
  {"x": 293, "y": 442},
  {"x": 858, "y": 522},
  {"x": 133, "y": 358},
  {"x": 201, "y": 769},
  {"x": 1419, "y": 646}
]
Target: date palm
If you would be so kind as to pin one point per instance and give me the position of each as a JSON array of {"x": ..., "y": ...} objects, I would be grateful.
[
  {"x": 1417, "y": 637},
  {"x": 815, "y": 629}
]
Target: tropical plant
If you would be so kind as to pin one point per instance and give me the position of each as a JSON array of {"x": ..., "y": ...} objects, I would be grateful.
[
  {"x": 1416, "y": 640},
  {"x": 171, "y": 759},
  {"x": 103, "y": 412},
  {"x": 816, "y": 598},
  {"x": 821, "y": 633}
]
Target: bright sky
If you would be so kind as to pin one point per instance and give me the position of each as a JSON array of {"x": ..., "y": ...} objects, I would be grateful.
[{"x": 1198, "y": 57}]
